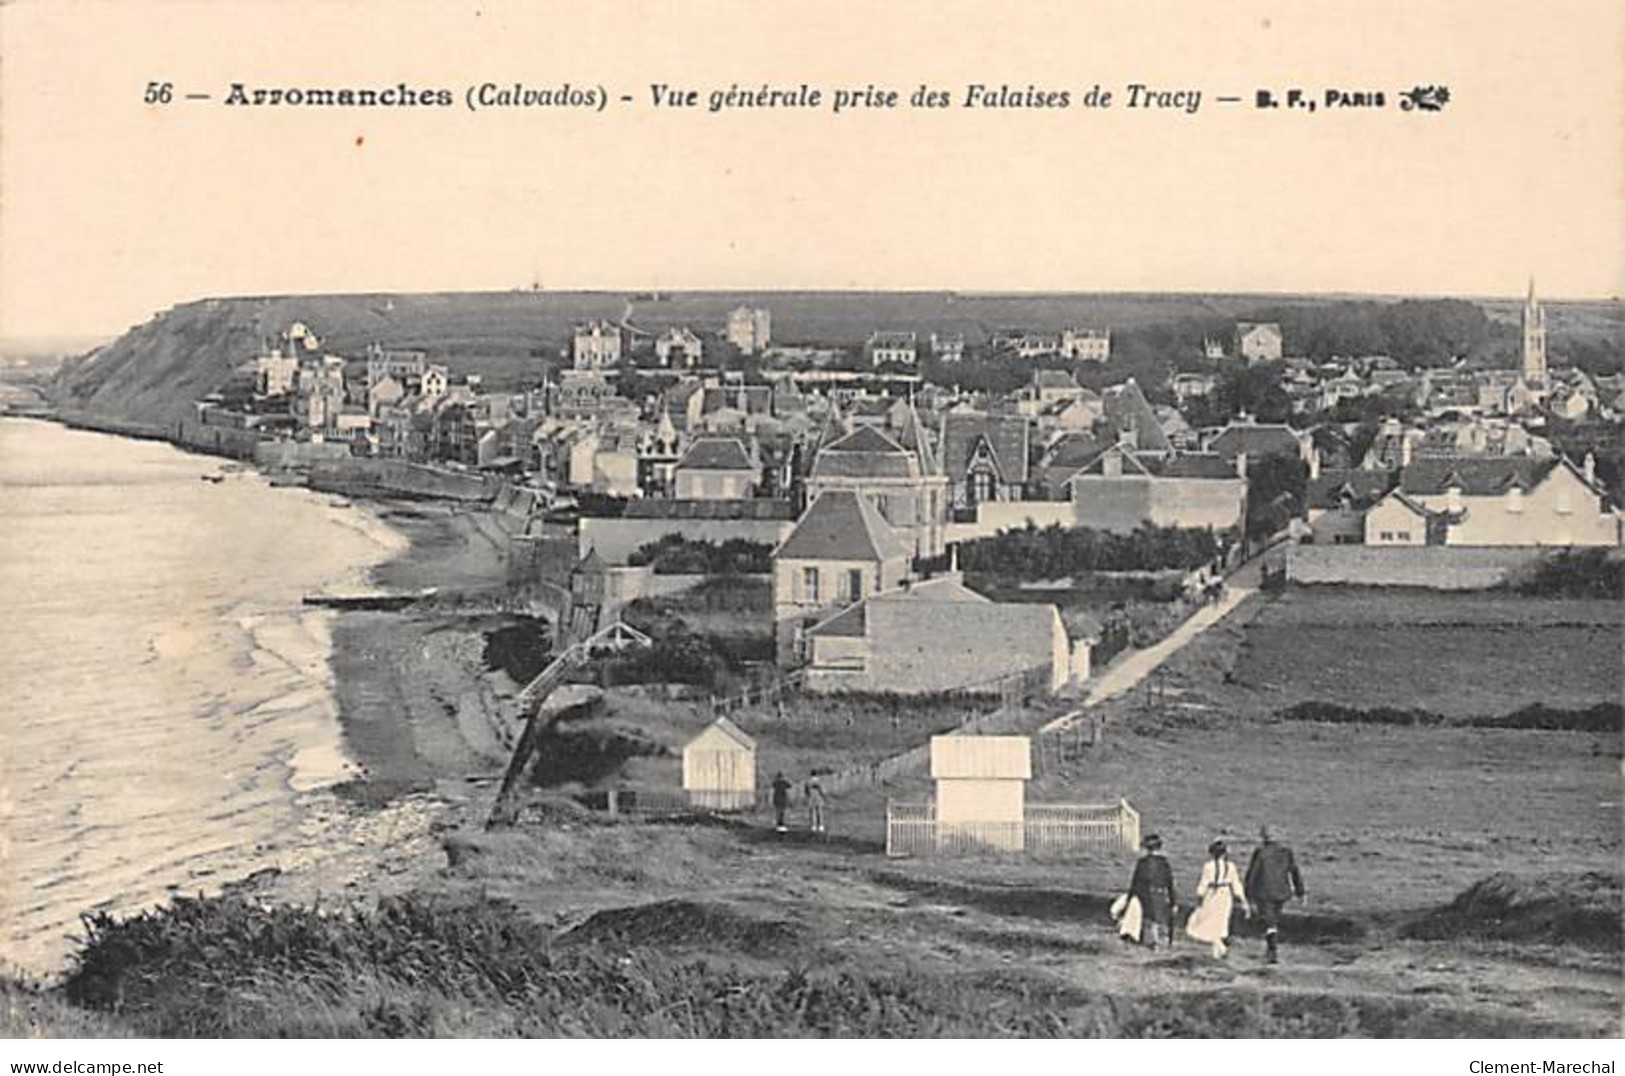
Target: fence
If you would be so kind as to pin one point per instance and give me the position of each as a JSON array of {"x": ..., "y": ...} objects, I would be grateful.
[{"x": 1047, "y": 829}]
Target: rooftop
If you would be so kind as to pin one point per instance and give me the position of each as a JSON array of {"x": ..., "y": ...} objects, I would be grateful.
[
  {"x": 716, "y": 454},
  {"x": 842, "y": 525}
]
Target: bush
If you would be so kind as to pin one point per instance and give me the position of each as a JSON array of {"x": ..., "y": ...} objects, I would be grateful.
[
  {"x": 414, "y": 967},
  {"x": 675, "y": 555},
  {"x": 680, "y": 657},
  {"x": 1576, "y": 909},
  {"x": 1578, "y": 573},
  {"x": 1055, "y": 551},
  {"x": 1605, "y": 717}
]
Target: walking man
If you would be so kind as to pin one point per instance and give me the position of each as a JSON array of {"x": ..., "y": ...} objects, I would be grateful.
[
  {"x": 781, "y": 801},
  {"x": 1272, "y": 880},
  {"x": 815, "y": 803}
]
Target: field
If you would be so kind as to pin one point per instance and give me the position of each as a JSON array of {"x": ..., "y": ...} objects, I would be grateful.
[{"x": 1460, "y": 655}]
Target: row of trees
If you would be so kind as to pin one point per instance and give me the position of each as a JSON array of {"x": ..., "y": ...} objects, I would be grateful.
[{"x": 1054, "y": 552}]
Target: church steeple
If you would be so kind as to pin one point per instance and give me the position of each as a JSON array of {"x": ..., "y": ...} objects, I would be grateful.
[{"x": 1534, "y": 339}]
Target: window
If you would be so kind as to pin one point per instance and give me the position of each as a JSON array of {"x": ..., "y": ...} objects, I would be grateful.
[
  {"x": 809, "y": 584},
  {"x": 854, "y": 584}
]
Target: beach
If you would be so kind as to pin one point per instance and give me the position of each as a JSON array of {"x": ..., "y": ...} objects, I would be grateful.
[
  {"x": 427, "y": 724},
  {"x": 235, "y": 736}
]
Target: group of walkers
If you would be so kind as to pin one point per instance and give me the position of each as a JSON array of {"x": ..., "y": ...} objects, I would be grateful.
[
  {"x": 812, "y": 793},
  {"x": 1146, "y": 913}
]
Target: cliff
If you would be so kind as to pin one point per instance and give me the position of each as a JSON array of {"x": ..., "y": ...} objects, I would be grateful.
[{"x": 154, "y": 372}]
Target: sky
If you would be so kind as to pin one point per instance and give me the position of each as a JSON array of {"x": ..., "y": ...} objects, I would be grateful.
[{"x": 112, "y": 209}]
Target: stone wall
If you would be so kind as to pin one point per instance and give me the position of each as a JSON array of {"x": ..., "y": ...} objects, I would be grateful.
[
  {"x": 1434, "y": 567},
  {"x": 284, "y": 454},
  {"x": 397, "y": 477}
]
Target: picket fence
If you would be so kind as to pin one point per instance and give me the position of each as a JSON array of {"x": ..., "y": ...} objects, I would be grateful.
[{"x": 1047, "y": 829}]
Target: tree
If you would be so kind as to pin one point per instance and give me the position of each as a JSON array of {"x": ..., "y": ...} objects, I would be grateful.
[{"x": 1275, "y": 494}]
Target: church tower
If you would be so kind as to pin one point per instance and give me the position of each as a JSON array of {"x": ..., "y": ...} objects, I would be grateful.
[{"x": 1534, "y": 339}]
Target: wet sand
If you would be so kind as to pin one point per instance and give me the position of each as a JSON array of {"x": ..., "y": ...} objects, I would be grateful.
[{"x": 419, "y": 710}]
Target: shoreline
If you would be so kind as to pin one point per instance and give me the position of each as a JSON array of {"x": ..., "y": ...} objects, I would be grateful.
[{"x": 417, "y": 712}]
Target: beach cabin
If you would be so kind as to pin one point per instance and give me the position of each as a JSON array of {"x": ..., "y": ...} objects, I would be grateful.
[
  {"x": 719, "y": 768},
  {"x": 981, "y": 790}
]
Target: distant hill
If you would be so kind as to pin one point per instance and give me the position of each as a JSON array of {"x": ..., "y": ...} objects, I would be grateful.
[{"x": 153, "y": 372}]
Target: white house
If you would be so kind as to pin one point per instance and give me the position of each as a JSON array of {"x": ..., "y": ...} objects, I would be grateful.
[
  {"x": 681, "y": 344},
  {"x": 1086, "y": 345},
  {"x": 900, "y": 348},
  {"x": 596, "y": 345}
]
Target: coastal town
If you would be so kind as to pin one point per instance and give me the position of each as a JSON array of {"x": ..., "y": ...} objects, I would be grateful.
[{"x": 930, "y": 619}]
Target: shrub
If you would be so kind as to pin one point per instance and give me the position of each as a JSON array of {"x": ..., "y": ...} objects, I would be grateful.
[
  {"x": 1577, "y": 573},
  {"x": 1055, "y": 551},
  {"x": 675, "y": 555}
]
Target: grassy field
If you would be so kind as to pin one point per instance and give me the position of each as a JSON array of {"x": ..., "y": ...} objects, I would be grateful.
[{"x": 1462, "y": 655}]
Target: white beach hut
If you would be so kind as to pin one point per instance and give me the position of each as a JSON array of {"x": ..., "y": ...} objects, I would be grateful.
[
  {"x": 981, "y": 790},
  {"x": 719, "y": 768}
]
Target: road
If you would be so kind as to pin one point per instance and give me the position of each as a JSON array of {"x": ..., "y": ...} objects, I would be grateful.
[{"x": 1131, "y": 668}]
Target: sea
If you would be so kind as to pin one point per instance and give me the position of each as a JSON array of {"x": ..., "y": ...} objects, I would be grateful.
[{"x": 167, "y": 715}]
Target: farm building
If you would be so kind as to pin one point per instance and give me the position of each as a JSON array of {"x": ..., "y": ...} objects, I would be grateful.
[{"x": 719, "y": 768}]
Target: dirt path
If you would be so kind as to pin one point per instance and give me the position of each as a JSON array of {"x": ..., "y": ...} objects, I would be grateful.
[{"x": 1127, "y": 672}]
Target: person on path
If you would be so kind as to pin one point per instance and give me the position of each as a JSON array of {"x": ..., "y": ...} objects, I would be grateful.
[
  {"x": 1153, "y": 886},
  {"x": 1272, "y": 880},
  {"x": 1218, "y": 892},
  {"x": 781, "y": 801},
  {"x": 815, "y": 803}
]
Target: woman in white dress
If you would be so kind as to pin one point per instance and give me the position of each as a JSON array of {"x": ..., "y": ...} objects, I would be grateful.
[{"x": 1218, "y": 891}]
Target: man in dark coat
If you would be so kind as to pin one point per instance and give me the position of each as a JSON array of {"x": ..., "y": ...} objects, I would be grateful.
[
  {"x": 1272, "y": 880},
  {"x": 781, "y": 801},
  {"x": 1153, "y": 885}
]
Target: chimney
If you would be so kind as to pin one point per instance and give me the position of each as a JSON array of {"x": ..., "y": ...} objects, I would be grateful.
[
  {"x": 1314, "y": 463},
  {"x": 1591, "y": 467},
  {"x": 1452, "y": 497},
  {"x": 1241, "y": 465},
  {"x": 1406, "y": 447},
  {"x": 1111, "y": 464}
]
